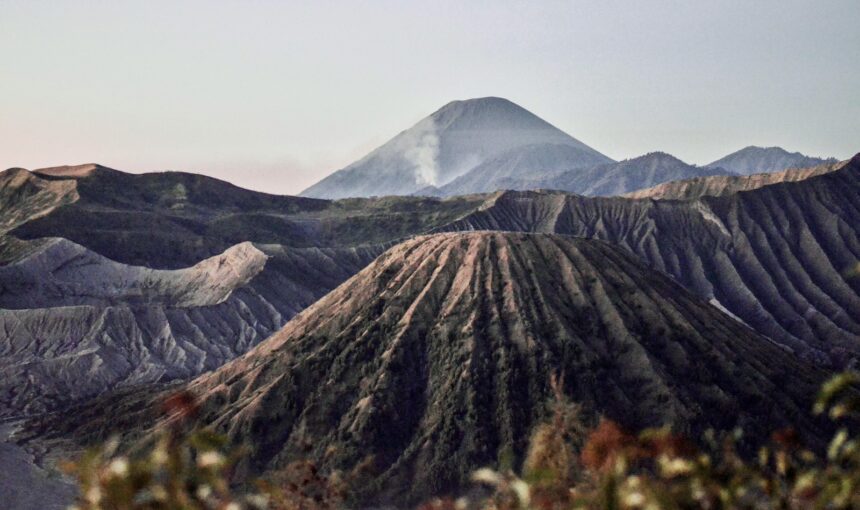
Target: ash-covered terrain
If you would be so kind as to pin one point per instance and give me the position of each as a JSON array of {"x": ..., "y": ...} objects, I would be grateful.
[
  {"x": 437, "y": 359},
  {"x": 421, "y": 325}
]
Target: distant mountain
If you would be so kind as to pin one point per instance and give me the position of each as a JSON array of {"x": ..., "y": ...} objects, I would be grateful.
[
  {"x": 437, "y": 359},
  {"x": 628, "y": 175},
  {"x": 717, "y": 185},
  {"x": 479, "y": 140},
  {"x": 606, "y": 179},
  {"x": 172, "y": 220},
  {"x": 757, "y": 160}
]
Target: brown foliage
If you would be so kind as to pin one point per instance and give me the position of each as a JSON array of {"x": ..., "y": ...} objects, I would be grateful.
[{"x": 605, "y": 445}]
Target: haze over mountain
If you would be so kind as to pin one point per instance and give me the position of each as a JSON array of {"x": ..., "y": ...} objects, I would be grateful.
[
  {"x": 481, "y": 141},
  {"x": 756, "y": 160},
  {"x": 437, "y": 359}
]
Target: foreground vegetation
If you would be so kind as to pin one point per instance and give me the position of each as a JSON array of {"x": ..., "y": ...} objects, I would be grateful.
[{"x": 567, "y": 466}]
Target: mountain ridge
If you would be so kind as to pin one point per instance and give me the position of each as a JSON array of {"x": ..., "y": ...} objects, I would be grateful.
[
  {"x": 719, "y": 185},
  {"x": 628, "y": 175}
]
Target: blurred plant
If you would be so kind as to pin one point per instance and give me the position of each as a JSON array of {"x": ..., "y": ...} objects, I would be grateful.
[
  {"x": 568, "y": 466},
  {"x": 177, "y": 472},
  {"x": 660, "y": 470},
  {"x": 193, "y": 471}
]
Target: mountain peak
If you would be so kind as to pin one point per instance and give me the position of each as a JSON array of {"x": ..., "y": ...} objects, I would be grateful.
[
  {"x": 657, "y": 156},
  {"x": 452, "y": 141},
  {"x": 488, "y": 101},
  {"x": 763, "y": 148},
  {"x": 480, "y": 105}
]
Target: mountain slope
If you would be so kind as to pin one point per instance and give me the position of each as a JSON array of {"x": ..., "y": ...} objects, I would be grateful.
[
  {"x": 782, "y": 257},
  {"x": 717, "y": 185},
  {"x": 24, "y": 196},
  {"x": 111, "y": 279},
  {"x": 127, "y": 326},
  {"x": 63, "y": 273},
  {"x": 170, "y": 220},
  {"x": 606, "y": 179},
  {"x": 436, "y": 359},
  {"x": 756, "y": 160},
  {"x": 454, "y": 140}
]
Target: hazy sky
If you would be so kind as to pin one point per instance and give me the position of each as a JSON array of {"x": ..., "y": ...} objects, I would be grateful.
[{"x": 274, "y": 95}]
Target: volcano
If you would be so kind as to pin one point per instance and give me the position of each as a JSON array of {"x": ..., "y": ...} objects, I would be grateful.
[{"x": 492, "y": 136}]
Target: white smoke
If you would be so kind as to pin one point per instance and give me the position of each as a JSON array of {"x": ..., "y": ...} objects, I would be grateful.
[{"x": 424, "y": 151}]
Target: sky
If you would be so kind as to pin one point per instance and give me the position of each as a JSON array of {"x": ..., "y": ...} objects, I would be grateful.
[{"x": 274, "y": 95}]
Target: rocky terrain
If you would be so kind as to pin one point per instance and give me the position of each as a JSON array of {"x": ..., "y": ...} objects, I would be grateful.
[
  {"x": 62, "y": 273},
  {"x": 136, "y": 283},
  {"x": 24, "y": 196},
  {"x": 757, "y": 160},
  {"x": 780, "y": 257},
  {"x": 170, "y": 220},
  {"x": 471, "y": 146},
  {"x": 436, "y": 359},
  {"x": 717, "y": 185},
  {"x": 53, "y": 356},
  {"x": 112, "y": 279},
  {"x": 27, "y": 486}
]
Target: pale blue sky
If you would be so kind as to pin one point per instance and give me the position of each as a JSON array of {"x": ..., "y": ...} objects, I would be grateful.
[{"x": 275, "y": 95}]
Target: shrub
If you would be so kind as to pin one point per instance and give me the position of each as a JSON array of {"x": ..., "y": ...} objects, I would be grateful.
[
  {"x": 567, "y": 466},
  {"x": 659, "y": 470}
]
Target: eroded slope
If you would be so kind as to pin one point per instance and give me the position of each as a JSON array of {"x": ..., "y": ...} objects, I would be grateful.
[
  {"x": 782, "y": 258},
  {"x": 436, "y": 359},
  {"x": 166, "y": 275}
]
